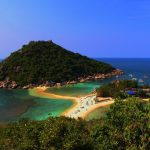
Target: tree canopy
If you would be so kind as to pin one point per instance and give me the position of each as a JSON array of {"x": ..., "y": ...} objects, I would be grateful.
[
  {"x": 121, "y": 88},
  {"x": 41, "y": 61},
  {"x": 125, "y": 127}
]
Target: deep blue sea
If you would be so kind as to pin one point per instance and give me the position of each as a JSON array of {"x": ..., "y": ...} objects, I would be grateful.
[{"x": 138, "y": 67}]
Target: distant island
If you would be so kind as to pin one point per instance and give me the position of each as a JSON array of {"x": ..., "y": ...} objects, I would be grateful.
[{"x": 44, "y": 63}]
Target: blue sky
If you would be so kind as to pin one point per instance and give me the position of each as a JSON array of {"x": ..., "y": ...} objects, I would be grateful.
[{"x": 96, "y": 28}]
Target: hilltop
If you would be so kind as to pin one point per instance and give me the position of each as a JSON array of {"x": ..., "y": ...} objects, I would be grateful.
[{"x": 44, "y": 62}]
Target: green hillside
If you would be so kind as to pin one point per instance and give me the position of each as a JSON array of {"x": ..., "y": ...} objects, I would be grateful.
[{"x": 43, "y": 61}]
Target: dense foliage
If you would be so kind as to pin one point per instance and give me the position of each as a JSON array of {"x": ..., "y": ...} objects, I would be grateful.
[
  {"x": 126, "y": 127},
  {"x": 43, "y": 61},
  {"x": 119, "y": 89}
]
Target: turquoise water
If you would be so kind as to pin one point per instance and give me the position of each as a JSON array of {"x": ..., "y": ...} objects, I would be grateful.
[
  {"x": 13, "y": 103},
  {"x": 45, "y": 108},
  {"x": 79, "y": 89},
  {"x": 16, "y": 104}
]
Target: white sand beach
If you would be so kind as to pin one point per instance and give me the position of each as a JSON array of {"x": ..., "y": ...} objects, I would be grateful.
[{"x": 82, "y": 105}]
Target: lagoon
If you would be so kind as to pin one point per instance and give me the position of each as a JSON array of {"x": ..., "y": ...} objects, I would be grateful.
[{"x": 17, "y": 104}]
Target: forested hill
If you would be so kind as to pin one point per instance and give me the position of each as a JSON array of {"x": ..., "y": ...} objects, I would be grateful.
[{"x": 41, "y": 61}]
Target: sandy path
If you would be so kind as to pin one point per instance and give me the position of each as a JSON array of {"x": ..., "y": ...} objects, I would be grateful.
[{"x": 41, "y": 92}]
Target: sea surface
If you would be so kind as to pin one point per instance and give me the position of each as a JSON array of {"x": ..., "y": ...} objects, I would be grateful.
[
  {"x": 139, "y": 68},
  {"x": 17, "y": 104}
]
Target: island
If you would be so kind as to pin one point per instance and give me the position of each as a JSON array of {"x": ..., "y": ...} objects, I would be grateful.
[{"x": 44, "y": 63}]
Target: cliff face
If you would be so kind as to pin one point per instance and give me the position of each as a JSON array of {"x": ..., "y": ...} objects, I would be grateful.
[{"x": 44, "y": 62}]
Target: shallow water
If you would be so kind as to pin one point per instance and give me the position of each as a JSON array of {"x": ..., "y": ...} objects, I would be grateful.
[
  {"x": 13, "y": 103},
  {"x": 16, "y": 104},
  {"x": 45, "y": 108},
  {"x": 79, "y": 89}
]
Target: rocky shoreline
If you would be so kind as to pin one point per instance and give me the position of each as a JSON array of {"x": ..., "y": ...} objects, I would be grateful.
[{"x": 8, "y": 84}]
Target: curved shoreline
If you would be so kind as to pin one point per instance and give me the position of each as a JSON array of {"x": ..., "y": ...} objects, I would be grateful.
[
  {"x": 41, "y": 92},
  {"x": 79, "y": 109},
  {"x": 84, "y": 116}
]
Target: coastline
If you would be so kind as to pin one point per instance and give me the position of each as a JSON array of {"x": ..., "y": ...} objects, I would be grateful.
[
  {"x": 41, "y": 92},
  {"x": 9, "y": 84},
  {"x": 71, "y": 109},
  {"x": 79, "y": 109},
  {"x": 84, "y": 116}
]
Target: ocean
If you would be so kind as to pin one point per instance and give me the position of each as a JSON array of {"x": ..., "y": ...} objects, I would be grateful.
[
  {"x": 138, "y": 67},
  {"x": 17, "y": 104}
]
